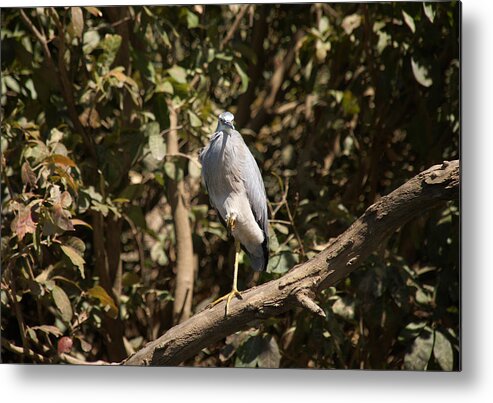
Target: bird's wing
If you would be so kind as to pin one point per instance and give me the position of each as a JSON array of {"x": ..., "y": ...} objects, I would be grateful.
[
  {"x": 254, "y": 186},
  {"x": 206, "y": 172}
]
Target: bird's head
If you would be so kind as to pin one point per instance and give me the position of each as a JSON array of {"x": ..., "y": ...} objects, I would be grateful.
[{"x": 226, "y": 119}]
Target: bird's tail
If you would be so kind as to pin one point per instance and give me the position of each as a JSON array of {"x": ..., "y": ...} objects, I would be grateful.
[{"x": 259, "y": 255}]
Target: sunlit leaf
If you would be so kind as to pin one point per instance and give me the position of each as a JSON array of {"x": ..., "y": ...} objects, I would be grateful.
[
  {"x": 194, "y": 169},
  {"x": 104, "y": 299},
  {"x": 90, "y": 41},
  {"x": 409, "y": 21},
  {"x": 75, "y": 257},
  {"x": 350, "y": 23},
  {"x": 421, "y": 74},
  {"x": 61, "y": 160},
  {"x": 420, "y": 352},
  {"x": 77, "y": 221},
  {"x": 179, "y": 74},
  {"x": 48, "y": 329},
  {"x": 244, "y": 79},
  {"x": 428, "y": 9},
  {"x": 77, "y": 22},
  {"x": 344, "y": 307},
  {"x": 94, "y": 11},
  {"x": 165, "y": 86},
  {"x": 194, "y": 119},
  {"x": 192, "y": 19},
  {"x": 443, "y": 352}
]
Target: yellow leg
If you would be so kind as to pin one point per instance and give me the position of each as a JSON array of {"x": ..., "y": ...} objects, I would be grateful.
[{"x": 234, "y": 292}]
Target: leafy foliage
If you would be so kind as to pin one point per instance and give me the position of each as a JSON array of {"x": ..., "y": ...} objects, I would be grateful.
[{"x": 340, "y": 104}]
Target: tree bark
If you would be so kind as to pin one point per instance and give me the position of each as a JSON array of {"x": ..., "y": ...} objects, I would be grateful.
[
  {"x": 182, "y": 306},
  {"x": 299, "y": 286}
]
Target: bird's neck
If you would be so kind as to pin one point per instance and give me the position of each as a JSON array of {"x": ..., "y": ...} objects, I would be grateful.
[{"x": 223, "y": 128}]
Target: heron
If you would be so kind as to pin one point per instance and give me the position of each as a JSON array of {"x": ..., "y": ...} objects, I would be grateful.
[{"x": 237, "y": 192}]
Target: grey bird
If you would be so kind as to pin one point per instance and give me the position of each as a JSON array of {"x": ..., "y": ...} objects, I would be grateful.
[{"x": 236, "y": 190}]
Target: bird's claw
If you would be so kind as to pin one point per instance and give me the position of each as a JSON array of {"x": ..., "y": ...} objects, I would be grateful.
[{"x": 228, "y": 297}]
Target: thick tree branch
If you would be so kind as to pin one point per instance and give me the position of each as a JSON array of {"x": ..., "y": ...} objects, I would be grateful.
[{"x": 424, "y": 192}]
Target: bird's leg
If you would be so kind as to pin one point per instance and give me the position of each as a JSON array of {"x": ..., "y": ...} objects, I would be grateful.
[{"x": 234, "y": 292}]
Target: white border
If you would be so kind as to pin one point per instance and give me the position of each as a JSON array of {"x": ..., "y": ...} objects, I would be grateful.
[{"x": 82, "y": 384}]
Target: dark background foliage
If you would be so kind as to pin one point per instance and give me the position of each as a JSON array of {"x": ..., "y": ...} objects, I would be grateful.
[{"x": 339, "y": 103}]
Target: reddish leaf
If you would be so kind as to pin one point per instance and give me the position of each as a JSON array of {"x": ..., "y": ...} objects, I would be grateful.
[
  {"x": 64, "y": 345},
  {"x": 61, "y": 160},
  {"x": 23, "y": 223},
  {"x": 27, "y": 175}
]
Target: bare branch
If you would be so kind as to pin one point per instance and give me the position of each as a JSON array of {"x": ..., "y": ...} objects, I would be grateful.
[{"x": 234, "y": 27}]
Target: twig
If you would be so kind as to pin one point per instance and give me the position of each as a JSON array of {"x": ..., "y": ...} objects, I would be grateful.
[
  {"x": 234, "y": 26},
  {"x": 25, "y": 352},
  {"x": 178, "y": 154},
  {"x": 75, "y": 361}
]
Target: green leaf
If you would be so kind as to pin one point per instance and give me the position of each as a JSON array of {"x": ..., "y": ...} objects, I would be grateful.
[
  {"x": 165, "y": 86},
  {"x": 62, "y": 302},
  {"x": 418, "y": 357},
  {"x": 130, "y": 278},
  {"x": 77, "y": 244},
  {"x": 192, "y": 19},
  {"x": 173, "y": 170},
  {"x": 75, "y": 257},
  {"x": 194, "y": 169},
  {"x": 270, "y": 357},
  {"x": 281, "y": 262},
  {"x": 90, "y": 41},
  {"x": 194, "y": 119},
  {"x": 100, "y": 293},
  {"x": 158, "y": 254},
  {"x": 443, "y": 352},
  {"x": 344, "y": 307},
  {"x": 258, "y": 351},
  {"x": 157, "y": 147},
  {"x": 421, "y": 74},
  {"x": 110, "y": 45},
  {"x": 179, "y": 74},
  {"x": 409, "y": 21},
  {"x": 244, "y": 79}
]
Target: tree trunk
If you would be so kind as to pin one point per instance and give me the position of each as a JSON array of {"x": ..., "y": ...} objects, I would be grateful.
[{"x": 182, "y": 306}]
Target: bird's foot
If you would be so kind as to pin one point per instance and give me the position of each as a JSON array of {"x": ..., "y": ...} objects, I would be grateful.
[{"x": 228, "y": 297}]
